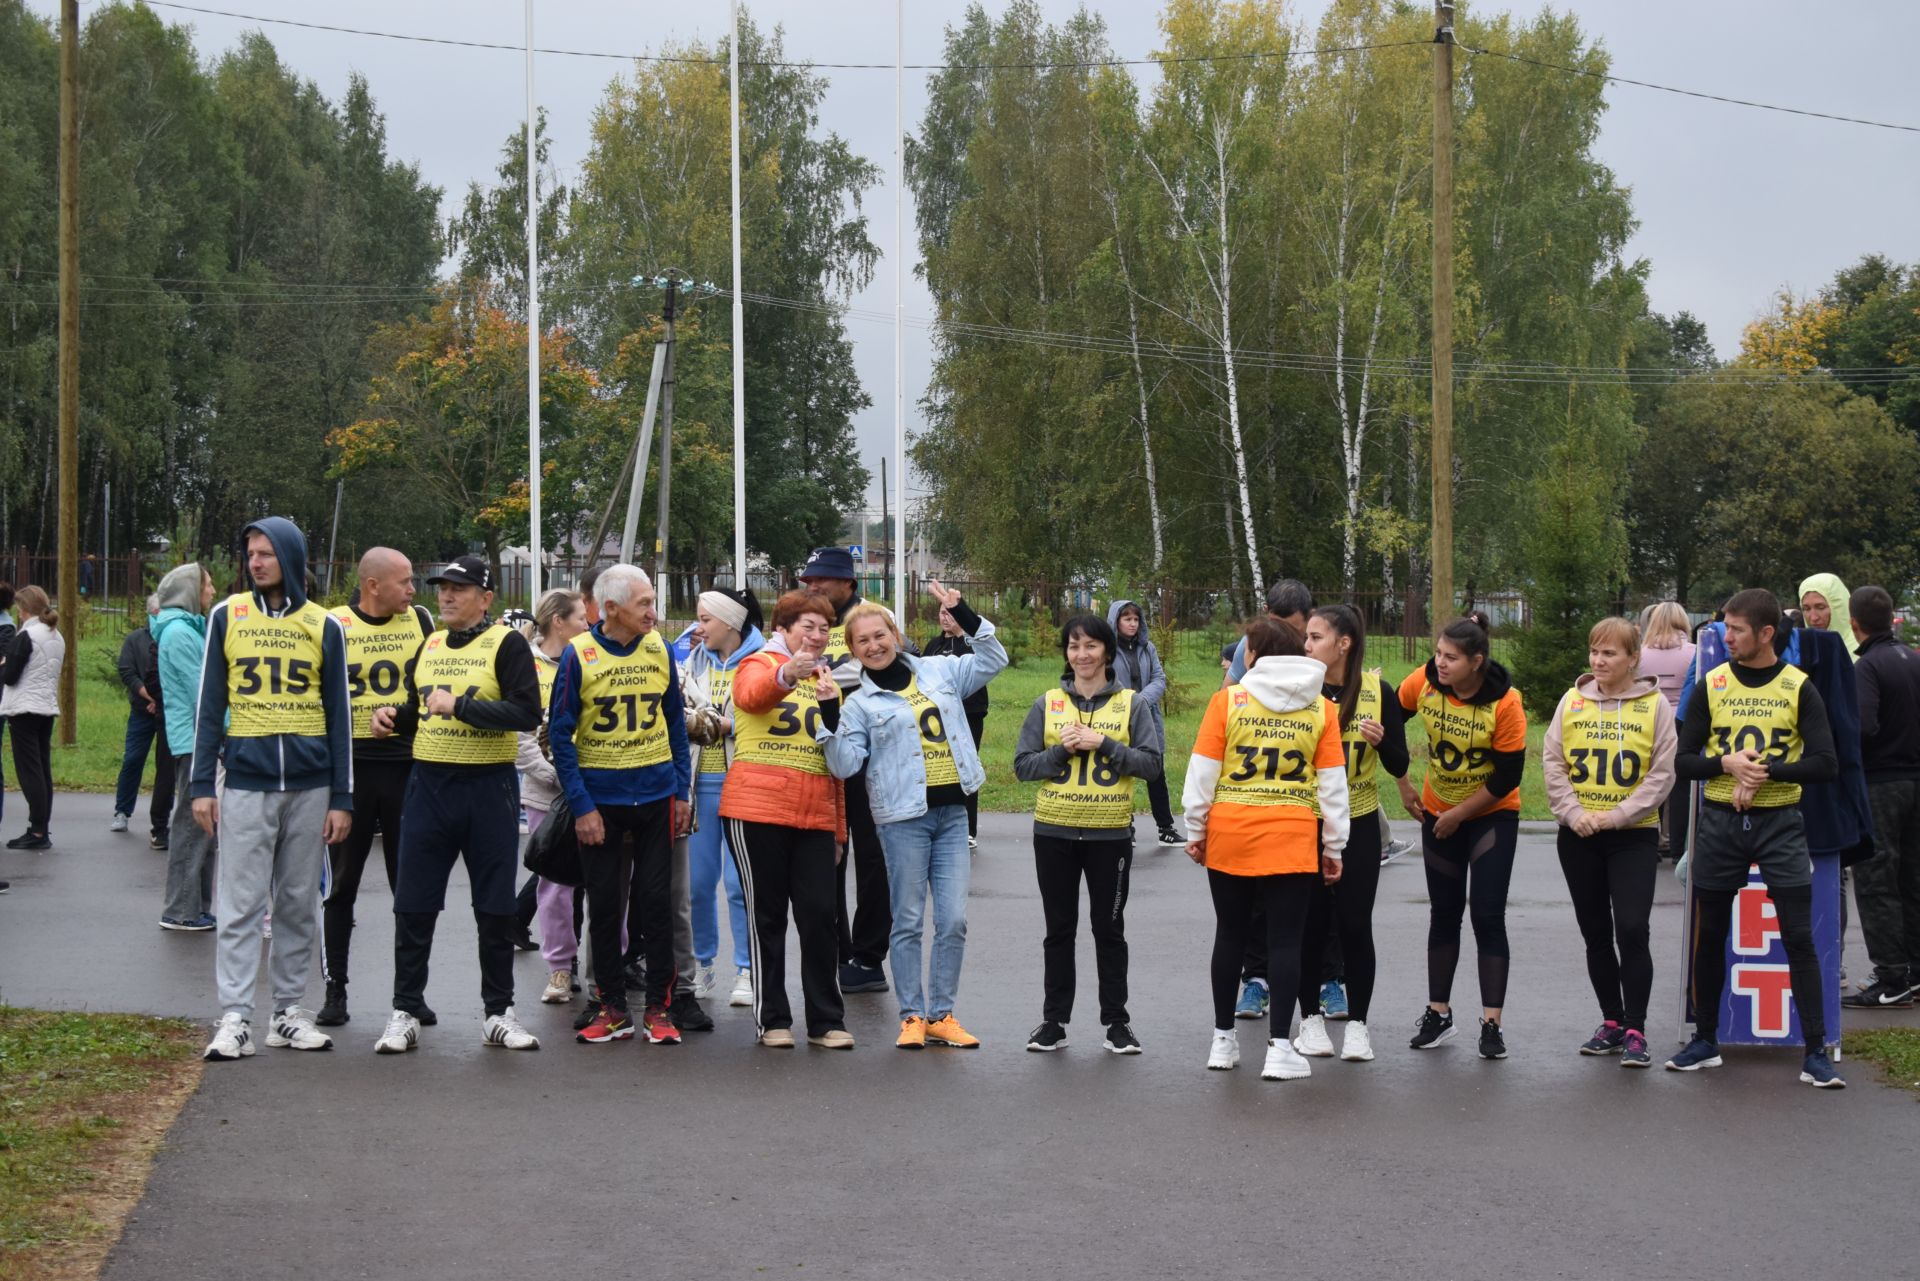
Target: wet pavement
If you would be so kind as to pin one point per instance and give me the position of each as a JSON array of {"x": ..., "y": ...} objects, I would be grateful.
[{"x": 719, "y": 1158}]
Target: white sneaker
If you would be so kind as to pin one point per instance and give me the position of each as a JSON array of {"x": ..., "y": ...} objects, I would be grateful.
[
  {"x": 742, "y": 989},
  {"x": 232, "y": 1039},
  {"x": 402, "y": 1034},
  {"x": 705, "y": 982},
  {"x": 293, "y": 1029},
  {"x": 1284, "y": 1062},
  {"x": 1358, "y": 1046},
  {"x": 559, "y": 988},
  {"x": 119, "y": 823},
  {"x": 1224, "y": 1056},
  {"x": 1313, "y": 1040},
  {"x": 505, "y": 1030}
]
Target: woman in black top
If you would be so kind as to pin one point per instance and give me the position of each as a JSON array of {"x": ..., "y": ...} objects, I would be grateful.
[{"x": 953, "y": 641}]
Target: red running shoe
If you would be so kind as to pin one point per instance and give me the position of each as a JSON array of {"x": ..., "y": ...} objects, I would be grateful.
[
  {"x": 660, "y": 1028},
  {"x": 607, "y": 1024}
]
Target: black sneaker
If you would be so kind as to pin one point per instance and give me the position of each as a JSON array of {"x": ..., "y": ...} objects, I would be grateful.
[
  {"x": 333, "y": 1011},
  {"x": 687, "y": 1014},
  {"x": 426, "y": 1015},
  {"x": 1492, "y": 1044},
  {"x": 1046, "y": 1038},
  {"x": 1880, "y": 995},
  {"x": 5, "y": 886},
  {"x": 29, "y": 841},
  {"x": 1606, "y": 1039},
  {"x": 855, "y": 977},
  {"x": 1434, "y": 1029},
  {"x": 1121, "y": 1040},
  {"x": 573, "y": 973},
  {"x": 158, "y": 841},
  {"x": 523, "y": 940},
  {"x": 586, "y": 1016},
  {"x": 1170, "y": 838}
]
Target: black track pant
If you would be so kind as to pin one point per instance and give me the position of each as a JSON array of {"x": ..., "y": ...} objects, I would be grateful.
[
  {"x": 33, "y": 766},
  {"x": 868, "y": 928},
  {"x": 614, "y": 873},
  {"x": 378, "y": 787},
  {"x": 1610, "y": 876},
  {"x": 782, "y": 866},
  {"x": 1060, "y": 864},
  {"x": 1348, "y": 908},
  {"x": 1284, "y": 898},
  {"x": 1468, "y": 874},
  {"x": 976, "y": 726},
  {"x": 1713, "y": 920}
]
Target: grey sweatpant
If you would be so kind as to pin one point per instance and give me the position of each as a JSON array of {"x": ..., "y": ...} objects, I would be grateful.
[
  {"x": 189, "y": 852},
  {"x": 270, "y": 843},
  {"x": 682, "y": 921}
]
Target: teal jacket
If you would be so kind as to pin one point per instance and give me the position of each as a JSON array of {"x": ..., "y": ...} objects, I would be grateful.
[{"x": 180, "y": 637}]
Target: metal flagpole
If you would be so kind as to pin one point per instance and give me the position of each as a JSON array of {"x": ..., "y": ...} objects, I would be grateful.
[
  {"x": 899, "y": 349},
  {"x": 533, "y": 342},
  {"x": 739, "y": 333}
]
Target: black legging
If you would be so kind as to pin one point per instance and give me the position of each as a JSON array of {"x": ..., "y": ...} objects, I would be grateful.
[
  {"x": 1485, "y": 845},
  {"x": 977, "y": 727},
  {"x": 378, "y": 788},
  {"x": 1610, "y": 876},
  {"x": 1348, "y": 908},
  {"x": 33, "y": 766},
  {"x": 1284, "y": 898},
  {"x": 1713, "y": 919}
]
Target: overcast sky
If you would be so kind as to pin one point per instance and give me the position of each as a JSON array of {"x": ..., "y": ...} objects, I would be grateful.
[{"x": 1734, "y": 203}]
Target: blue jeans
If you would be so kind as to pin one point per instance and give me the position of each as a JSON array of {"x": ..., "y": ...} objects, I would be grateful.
[
  {"x": 928, "y": 855},
  {"x": 141, "y": 726},
  {"x": 709, "y": 862}
]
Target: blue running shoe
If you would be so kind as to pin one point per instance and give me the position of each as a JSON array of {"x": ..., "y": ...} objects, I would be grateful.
[
  {"x": 1333, "y": 1001},
  {"x": 1698, "y": 1054},
  {"x": 1253, "y": 1000},
  {"x": 1817, "y": 1070}
]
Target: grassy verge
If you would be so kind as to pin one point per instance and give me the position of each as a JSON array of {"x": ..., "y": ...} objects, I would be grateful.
[
  {"x": 84, "y": 1101},
  {"x": 1895, "y": 1049},
  {"x": 1194, "y": 680}
]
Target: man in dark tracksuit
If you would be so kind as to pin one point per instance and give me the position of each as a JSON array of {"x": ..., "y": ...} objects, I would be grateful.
[
  {"x": 384, "y": 631},
  {"x": 864, "y": 932},
  {"x": 470, "y": 692},
  {"x": 1754, "y": 732},
  {"x": 1886, "y": 887}
]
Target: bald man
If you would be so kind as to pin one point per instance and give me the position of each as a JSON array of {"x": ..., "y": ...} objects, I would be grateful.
[{"x": 384, "y": 632}]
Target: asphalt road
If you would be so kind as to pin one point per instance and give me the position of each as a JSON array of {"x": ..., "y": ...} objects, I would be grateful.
[{"x": 718, "y": 1158}]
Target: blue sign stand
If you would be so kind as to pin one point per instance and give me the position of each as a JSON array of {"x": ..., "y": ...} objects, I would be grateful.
[{"x": 1756, "y": 1006}]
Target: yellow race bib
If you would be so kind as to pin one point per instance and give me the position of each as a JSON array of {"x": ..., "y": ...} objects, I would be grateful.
[
  {"x": 836, "y": 645},
  {"x": 713, "y": 759},
  {"x": 1363, "y": 762},
  {"x": 467, "y": 670},
  {"x": 620, "y": 724},
  {"x": 273, "y": 670},
  {"x": 1459, "y": 745},
  {"x": 377, "y": 658},
  {"x": 544, "y": 670},
  {"x": 782, "y": 735},
  {"x": 1608, "y": 751},
  {"x": 1766, "y": 719},
  {"x": 1093, "y": 793},
  {"x": 935, "y": 749},
  {"x": 1269, "y": 758}
]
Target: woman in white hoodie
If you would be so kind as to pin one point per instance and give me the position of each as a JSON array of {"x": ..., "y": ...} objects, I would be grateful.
[
  {"x": 1268, "y": 751},
  {"x": 1609, "y": 764}
]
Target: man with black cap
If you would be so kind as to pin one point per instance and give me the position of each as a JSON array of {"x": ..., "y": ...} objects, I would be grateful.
[
  {"x": 469, "y": 692},
  {"x": 864, "y": 932}
]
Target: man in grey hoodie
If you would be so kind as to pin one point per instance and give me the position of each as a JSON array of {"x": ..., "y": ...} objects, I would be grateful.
[{"x": 273, "y": 707}]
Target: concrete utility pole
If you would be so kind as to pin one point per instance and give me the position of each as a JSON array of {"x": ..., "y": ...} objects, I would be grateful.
[
  {"x": 69, "y": 585},
  {"x": 1442, "y": 311}
]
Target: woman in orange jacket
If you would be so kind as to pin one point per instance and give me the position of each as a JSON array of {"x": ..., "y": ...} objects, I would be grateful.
[
  {"x": 786, "y": 819},
  {"x": 1266, "y": 809}
]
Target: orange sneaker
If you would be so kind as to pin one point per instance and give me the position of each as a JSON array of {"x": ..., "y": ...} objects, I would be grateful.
[
  {"x": 913, "y": 1033},
  {"x": 946, "y": 1030}
]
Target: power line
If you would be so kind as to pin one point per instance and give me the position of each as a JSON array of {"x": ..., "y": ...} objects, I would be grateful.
[
  {"x": 1688, "y": 93},
  {"x": 824, "y": 66}
]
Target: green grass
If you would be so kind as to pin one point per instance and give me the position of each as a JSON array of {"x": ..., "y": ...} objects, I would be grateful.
[
  {"x": 1193, "y": 679},
  {"x": 1895, "y": 1049},
  {"x": 77, "y": 1093}
]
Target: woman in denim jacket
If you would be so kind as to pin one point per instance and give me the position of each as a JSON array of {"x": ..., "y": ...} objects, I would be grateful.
[{"x": 919, "y": 775}]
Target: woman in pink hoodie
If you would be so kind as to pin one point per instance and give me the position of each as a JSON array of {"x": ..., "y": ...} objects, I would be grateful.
[{"x": 1608, "y": 758}]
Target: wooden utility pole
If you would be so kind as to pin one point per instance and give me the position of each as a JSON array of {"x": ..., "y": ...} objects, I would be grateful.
[
  {"x": 69, "y": 585},
  {"x": 666, "y": 448},
  {"x": 1442, "y": 552}
]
